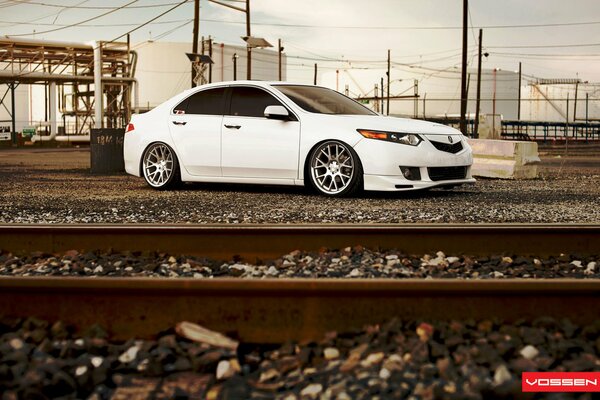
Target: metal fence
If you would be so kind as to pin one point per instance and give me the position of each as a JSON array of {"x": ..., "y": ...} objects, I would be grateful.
[{"x": 544, "y": 131}]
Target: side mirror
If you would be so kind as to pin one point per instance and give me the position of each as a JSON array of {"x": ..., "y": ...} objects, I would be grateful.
[{"x": 277, "y": 112}]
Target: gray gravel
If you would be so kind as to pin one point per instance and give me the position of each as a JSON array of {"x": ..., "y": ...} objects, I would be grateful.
[
  {"x": 54, "y": 186},
  {"x": 397, "y": 359},
  {"x": 351, "y": 262}
]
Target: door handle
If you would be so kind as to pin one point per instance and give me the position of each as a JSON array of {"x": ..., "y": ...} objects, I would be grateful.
[
  {"x": 233, "y": 126},
  {"x": 179, "y": 122}
]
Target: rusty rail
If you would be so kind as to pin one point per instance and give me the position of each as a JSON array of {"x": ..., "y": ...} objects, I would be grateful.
[
  {"x": 275, "y": 310},
  {"x": 253, "y": 242}
]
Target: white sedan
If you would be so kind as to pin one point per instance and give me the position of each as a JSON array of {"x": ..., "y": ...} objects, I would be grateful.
[{"x": 279, "y": 133}]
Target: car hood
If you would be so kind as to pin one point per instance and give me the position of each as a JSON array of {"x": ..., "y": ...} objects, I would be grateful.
[{"x": 393, "y": 124}]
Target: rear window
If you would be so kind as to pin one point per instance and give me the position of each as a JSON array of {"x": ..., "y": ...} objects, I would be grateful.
[{"x": 205, "y": 102}]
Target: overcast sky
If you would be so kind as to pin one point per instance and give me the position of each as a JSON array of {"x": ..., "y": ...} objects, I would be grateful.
[{"x": 355, "y": 30}]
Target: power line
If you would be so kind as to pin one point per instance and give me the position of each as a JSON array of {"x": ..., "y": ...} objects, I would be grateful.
[
  {"x": 174, "y": 21},
  {"x": 78, "y": 7},
  {"x": 545, "y": 46},
  {"x": 77, "y": 23},
  {"x": 150, "y": 20}
]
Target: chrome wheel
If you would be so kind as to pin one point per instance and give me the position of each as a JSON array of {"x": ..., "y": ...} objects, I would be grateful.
[
  {"x": 332, "y": 167},
  {"x": 159, "y": 165}
]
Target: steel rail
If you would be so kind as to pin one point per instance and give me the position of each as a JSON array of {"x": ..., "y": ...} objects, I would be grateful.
[
  {"x": 276, "y": 310},
  {"x": 261, "y": 242}
]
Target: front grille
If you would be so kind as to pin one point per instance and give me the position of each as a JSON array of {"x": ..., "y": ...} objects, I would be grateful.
[
  {"x": 446, "y": 173},
  {"x": 448, "y": 148}
]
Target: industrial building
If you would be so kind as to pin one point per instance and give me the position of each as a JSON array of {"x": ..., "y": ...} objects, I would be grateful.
[{"x": 52, "y": 83}]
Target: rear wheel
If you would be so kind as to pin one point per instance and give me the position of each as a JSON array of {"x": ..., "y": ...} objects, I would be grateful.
[
  {"x": 160, "y": 167},
  {"x": 334, "y": 169}
]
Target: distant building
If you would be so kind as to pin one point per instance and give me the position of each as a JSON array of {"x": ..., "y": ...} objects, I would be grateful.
[
  {"x": 437, "y": 94},
  {"x": 163, "y": 69}
]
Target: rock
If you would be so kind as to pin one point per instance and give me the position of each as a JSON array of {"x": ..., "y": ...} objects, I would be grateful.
[
  {"x": 384, "y": 373},
  {"x": 424, "y": 331},
  {"x": 237, "y": 269},
  {"x": 226, "y": 369},
  {"x": 355, "y": 272},
  {"x": 501, "y": 375},
  {"x": 268, "y": 375},
  {"x": 591, "y": 268},
  {"x": 529, "y": 352},
  {"x": 16, "y": 344},
  {"x": 331, "y": 353},
  {"x": 373, "y": 359},
  {"x": 576, "y": 263},
  {"x": 197, "y": 333},
  {"x": 272, "y": 271},
  {"x": 312, "y": 391},
  {"x": 130, "y": 354},
  {"x": 497, "y": 274}
]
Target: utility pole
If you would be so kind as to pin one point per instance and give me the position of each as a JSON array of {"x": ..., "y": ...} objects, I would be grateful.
[
  {"x": 388, "y": 84},
  {"x": 575, "y": 103},
  {"x": 519, "y": 100},
  {"x": 382, "y": 97},
  {"x": 210, "y": 55},
  {"x": 279, "y": 50},
  {"x": 315, "y": 77},
  {"x": 478, "y": 102},
  {"x": 416, "y": 93},
  {"x": 235, "y": 57},
  {"x": 376, "y": 91},
  {"x": 195, "y": 39},
  {"x": 463, "y": 91},
  {"x": 586, "y": 116},
  {"x": 249, "y": 49}
]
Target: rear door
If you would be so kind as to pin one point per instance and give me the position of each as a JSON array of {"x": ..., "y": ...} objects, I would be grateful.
[
  {"x": 195, "y": 126},
  {"x": 254, "y": 146}
]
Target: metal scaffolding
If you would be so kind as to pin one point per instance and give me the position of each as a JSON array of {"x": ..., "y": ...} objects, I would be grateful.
[{"x": 92, "y": 82}]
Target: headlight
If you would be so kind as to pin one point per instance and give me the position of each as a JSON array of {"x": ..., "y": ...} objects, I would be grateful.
[{"x": 403, "y": 138}]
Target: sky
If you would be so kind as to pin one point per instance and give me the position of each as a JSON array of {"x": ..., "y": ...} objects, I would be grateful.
[{"x": 423, "y": 35}]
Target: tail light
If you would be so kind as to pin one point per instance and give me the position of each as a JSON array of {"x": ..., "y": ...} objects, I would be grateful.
[{"x": 129, "y": 128}]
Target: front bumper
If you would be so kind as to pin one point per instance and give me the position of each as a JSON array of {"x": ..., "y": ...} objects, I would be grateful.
[
  {"x": 381, "y": 162},
  {"x": 399, "y": 183}
]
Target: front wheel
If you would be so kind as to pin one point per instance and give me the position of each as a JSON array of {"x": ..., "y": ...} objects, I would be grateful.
[
  {"x": 160, "y": 167},
  {"x": 335, "y": 170}
]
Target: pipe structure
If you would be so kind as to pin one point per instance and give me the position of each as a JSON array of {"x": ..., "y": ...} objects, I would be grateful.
[
  {"x": 53, "y": 109},
  {"x": 98, "y": 85}
]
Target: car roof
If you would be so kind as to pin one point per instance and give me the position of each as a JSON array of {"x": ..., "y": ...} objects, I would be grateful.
[{"x": 252, "y": 83}]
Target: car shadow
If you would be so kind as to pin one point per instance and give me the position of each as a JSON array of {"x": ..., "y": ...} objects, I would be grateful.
[{"x": 301, "y": 190}]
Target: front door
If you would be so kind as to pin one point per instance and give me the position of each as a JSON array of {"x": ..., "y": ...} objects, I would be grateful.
[{"x": 254, "y": 146}]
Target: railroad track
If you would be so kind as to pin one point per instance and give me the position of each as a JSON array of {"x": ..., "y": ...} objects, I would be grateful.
[
  {"x": 260, "y": 242},
  {"x": 276, "y": 310}
]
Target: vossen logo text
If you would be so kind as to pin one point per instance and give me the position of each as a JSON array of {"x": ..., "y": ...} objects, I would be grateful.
[{"x": 560, "y": 382}]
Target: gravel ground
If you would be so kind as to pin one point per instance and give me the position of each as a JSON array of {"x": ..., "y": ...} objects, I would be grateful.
[
  {"x": 398, "y": 359},
  {"x": 351, "y": 262},
  {"x": 55, "y": 186}
]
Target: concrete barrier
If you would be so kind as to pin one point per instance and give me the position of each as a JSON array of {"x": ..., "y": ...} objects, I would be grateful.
[{"x": 504, "y": 159}]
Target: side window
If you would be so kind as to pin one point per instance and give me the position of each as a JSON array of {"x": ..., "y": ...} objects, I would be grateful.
[
  {"x": 206, "y": 102},
  {"x": 251, "y": 102}
]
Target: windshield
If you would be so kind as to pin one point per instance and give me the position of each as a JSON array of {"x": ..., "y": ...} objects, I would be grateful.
[{"x": 321, "y": 100}]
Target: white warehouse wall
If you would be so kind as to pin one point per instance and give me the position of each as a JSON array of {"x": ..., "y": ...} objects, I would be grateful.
[{"x": 163, "y": 70}]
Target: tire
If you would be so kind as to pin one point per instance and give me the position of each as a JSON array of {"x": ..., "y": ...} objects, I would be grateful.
[
  {"x": 334, "y": 169},
  {"x": 160, "y": 167}
]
